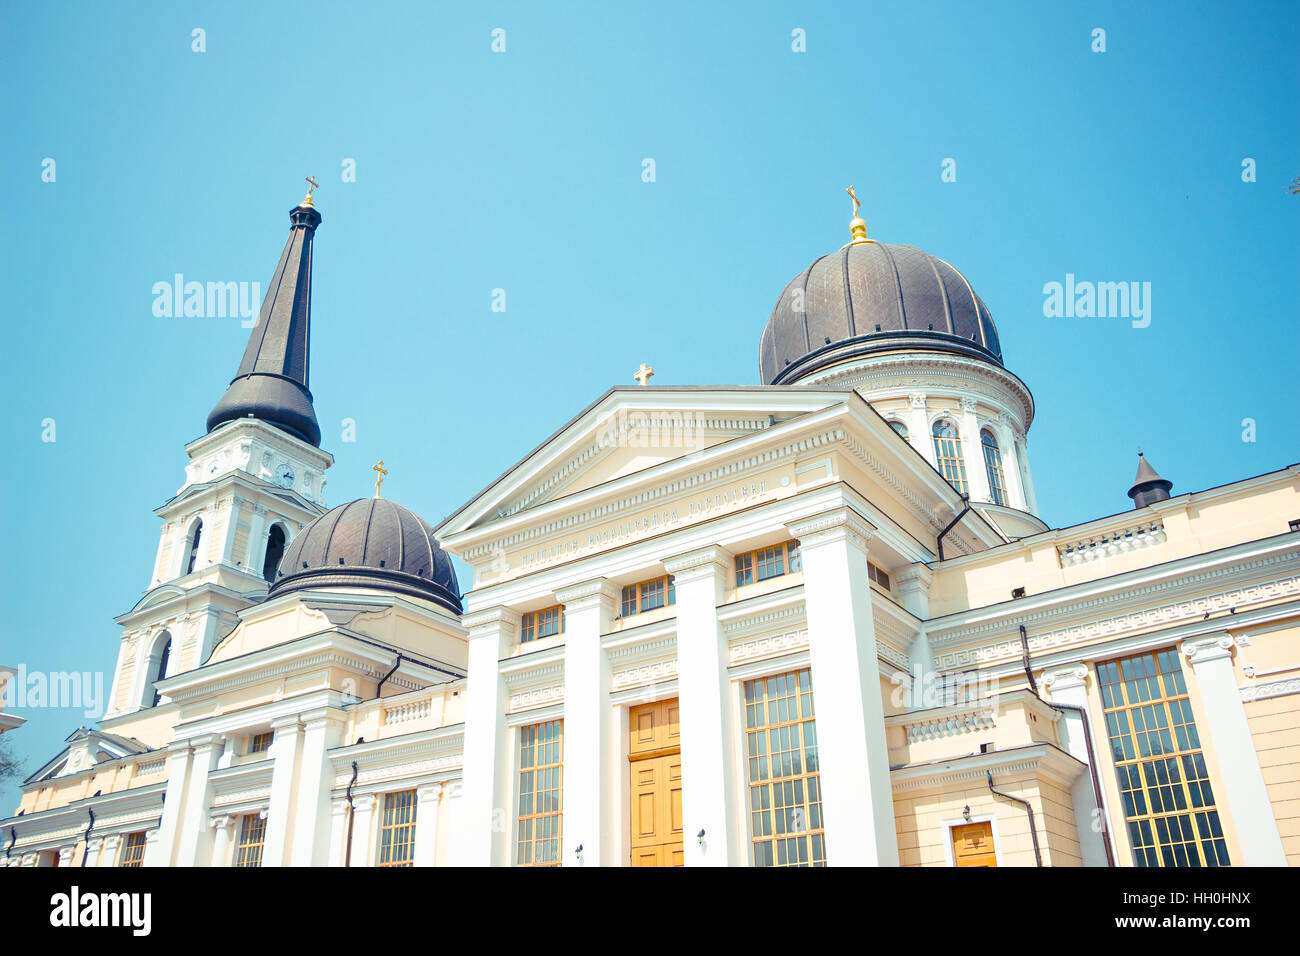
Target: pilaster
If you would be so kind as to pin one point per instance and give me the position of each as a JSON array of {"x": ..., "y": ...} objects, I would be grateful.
[
  {"x": 857, "y": 797},
  {"x": 705, "y": 707},
  {"x": 590, "y": 795},
  {"x": 1242, "y": 780}
]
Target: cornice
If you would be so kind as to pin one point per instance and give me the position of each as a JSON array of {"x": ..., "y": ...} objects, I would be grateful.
[
  {"x": 1265, "y": 691},
  {"x": 1039, "y": 759}
]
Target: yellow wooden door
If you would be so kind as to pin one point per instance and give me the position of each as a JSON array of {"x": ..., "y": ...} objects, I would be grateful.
[
  {"x": 654, "y": 755},
  {"x": 972, "y": 845}
]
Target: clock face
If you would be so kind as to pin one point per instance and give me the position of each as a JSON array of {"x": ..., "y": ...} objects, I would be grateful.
[{"x": 284, "y": 476}]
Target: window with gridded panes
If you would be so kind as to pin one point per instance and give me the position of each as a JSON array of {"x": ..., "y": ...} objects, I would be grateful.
[
  {"x": 1169, "y": 805},
  {"x": 397, "y": 830},
  {"x": 785, "y": 804},
  {"x": 541, "y": 777}
]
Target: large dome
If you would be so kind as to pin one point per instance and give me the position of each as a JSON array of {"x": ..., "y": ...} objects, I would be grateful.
[
  {"x": 873, "y": 297},
  {"x": 369, "y": 543}
]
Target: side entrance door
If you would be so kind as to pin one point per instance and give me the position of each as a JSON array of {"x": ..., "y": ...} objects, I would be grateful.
[{"x": 655, "y": 756}]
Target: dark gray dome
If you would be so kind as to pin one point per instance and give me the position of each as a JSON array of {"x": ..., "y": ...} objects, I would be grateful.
[
  {"x": 873, "y": 297},
  {"x": 369, "y": 543}
]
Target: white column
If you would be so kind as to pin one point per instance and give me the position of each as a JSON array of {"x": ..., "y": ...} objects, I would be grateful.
[
  {"x": 194, "y": 841},
  {"x": 703, "y": 686},
  {"x": 362, "y": 822},
  {"x": 977, "y": 476},
  {"x": 1068, "y": 685},
  {"x": 284, "y": 751},
  {"x": 254, "y": 553},
  {"x": 338, "y": 831},
  {"x": 228, "y": 530},
  {"x": 918, "y": 428},
  {"x": 1010, "y": 463},
  {"x": 108, "y": 854},
  {"x": 428, "y": 800},
  {"x": 484, "y": 831},
  {"x": 913, "y": 584},
  {"x": 222, "y": 832},
  {"x": 161, "y": 850},
  {"x": 322, "y": 730},
  {"x": 1241, "y": 779},
  {"x": 857, "y": 798},
  {"x": 93, "y": 848},
  {"x": 65, "y": 855},
  {"x": 590, "y": 797},
  {"x": 1026, "y": 475}
]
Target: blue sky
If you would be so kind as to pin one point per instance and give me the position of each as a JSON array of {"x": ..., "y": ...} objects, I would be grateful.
[{"x": 522, "y": 170}]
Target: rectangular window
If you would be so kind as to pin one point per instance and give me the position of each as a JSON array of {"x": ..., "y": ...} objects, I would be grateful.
[
  {"x": 261, "y": 743},
  {"x": 397, "y": 832},
  {"x": 878, "y": 575},
  {"x": 648, "y": 595},
  {"x": 769, "y": 562},
  {"x": 133, "y": 850},
  {"x": 1168, "y": 804},
  {"x": 252, "y": 834},
  {"x": 785, "y": 803},
  {"x": 547, "y": 622},
  {"x": 541, "y": 765}
]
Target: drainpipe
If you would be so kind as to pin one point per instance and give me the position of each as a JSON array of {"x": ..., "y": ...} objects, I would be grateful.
[
  {"x": 1033, "y": 831},
  {"x": 86, "y": 836},
  {"x": 953, "y": 523},
  {"x": 347, "y": 859},
  {"x": 379, "y": 688},
  {"x": 13, "y": 838},
  {"x": 1087, "y": 743}
]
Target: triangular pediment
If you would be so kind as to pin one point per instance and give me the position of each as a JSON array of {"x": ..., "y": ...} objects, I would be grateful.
[{"x": 630, "y": 430}]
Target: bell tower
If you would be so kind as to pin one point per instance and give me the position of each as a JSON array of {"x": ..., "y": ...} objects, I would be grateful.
[{"x": 252, "y": 482}]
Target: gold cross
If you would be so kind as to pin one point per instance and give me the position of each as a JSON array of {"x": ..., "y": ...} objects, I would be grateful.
[
  {"x": 854, "y": 197},
  {"x": 313, "y": 184},
  {"x": 382, "y": 474},
  {"x": 643, "y": 374}
]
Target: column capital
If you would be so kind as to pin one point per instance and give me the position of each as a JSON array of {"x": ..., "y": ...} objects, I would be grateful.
[
  {"x": 917, "y": 399},
  {"x": 287, "y": 722},
  {"x": 429, "y": 792},
  {"x": 208, "y": 742},
  {"x": 222, "y": 821},
  {"x": 320, "y": 717},
  {"x": 841, "y": 524},
  {"x": 112, "y": 841},
  {"x": 363, "y": 803},
  {"x": 1067, "y": 677},
  {"x": 914, "y": 577},
  {"x": 1201, "y": 650},
  {"x": 699, "y": 563},
  {"x": 94, "y": 844},
  {"x": 579, "y": 597},
  {"x": 490, "y": 621},
  {"x": 151, "y": 836}
]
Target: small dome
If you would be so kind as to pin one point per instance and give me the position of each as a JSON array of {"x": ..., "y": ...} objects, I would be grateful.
[
  {"x": 369, "y": 543},
  {"x": 873, "y": 297}
]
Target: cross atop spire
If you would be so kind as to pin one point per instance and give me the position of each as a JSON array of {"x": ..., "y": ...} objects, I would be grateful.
[
  {"x": 858, "y": 225},
  {"x": 383, "y": 473},
  {"x": 643, "y": 374}
]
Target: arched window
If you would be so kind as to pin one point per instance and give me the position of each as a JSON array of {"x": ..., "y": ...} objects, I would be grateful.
[
  {"x": 195, "y": 536},
  {"x": 900, "y": 428},
  {"x": 274, "y": 552},
  {"x": 159, "y": 671},
  {"x": 947, "y": 452},
  {"x": 993, "y": 465}
]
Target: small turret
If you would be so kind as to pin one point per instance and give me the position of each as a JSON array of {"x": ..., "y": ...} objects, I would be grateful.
[{"x": 1148, "y": 487}]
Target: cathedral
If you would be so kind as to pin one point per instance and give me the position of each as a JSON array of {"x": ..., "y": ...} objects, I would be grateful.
[{"x": 812, "y": 621}]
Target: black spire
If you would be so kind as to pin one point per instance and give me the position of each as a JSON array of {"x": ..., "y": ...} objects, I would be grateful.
[
  {"x": 271, "y": 384},
  {"x": 1148, "y": 487}
]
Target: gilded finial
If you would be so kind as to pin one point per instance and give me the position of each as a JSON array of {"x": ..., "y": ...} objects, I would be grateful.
[
  {"x": 858, "y": 225},
  {"x": 382, "y": 475},
  {"x": 311, "y": 185},
  {"x": 643, "y": 374}
]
